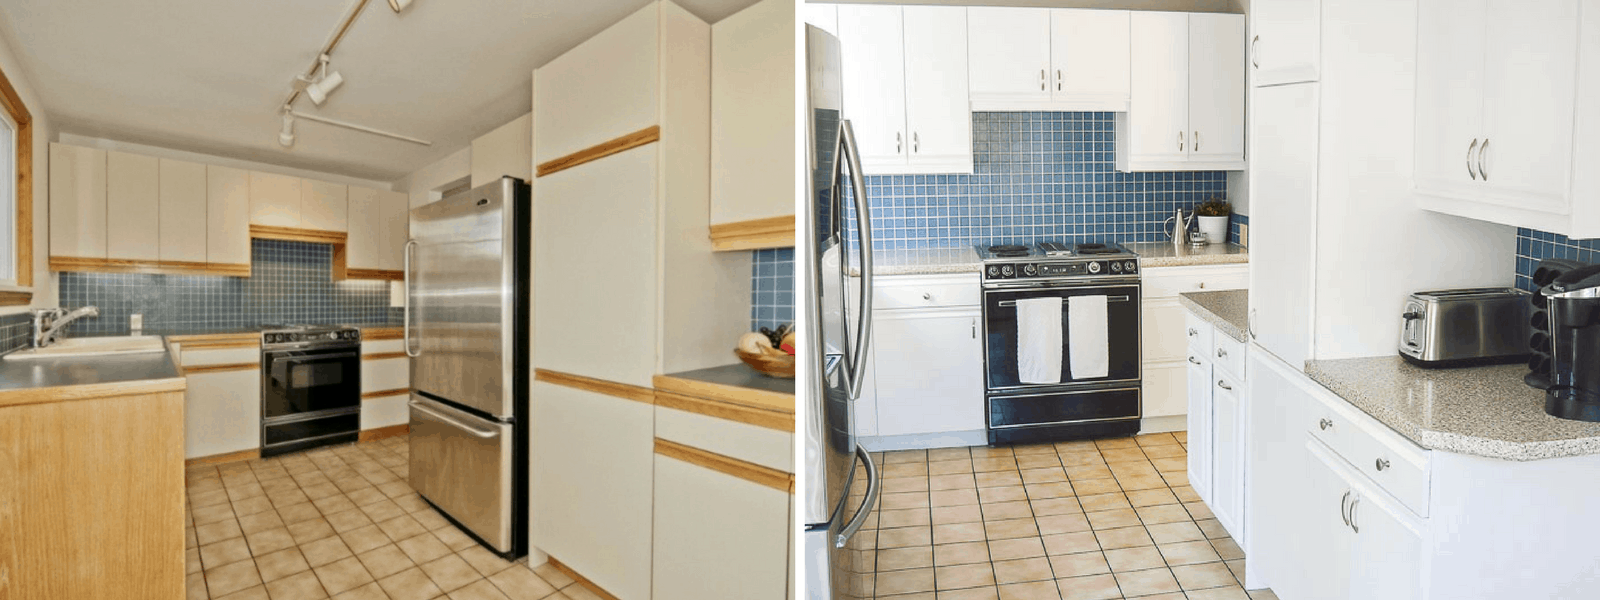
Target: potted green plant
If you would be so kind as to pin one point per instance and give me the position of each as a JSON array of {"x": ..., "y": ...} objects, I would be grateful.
[{"x": 1212, "y": 216}]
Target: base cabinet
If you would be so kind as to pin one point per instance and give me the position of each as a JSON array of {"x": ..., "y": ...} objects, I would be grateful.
[
  {"x": 929, "y": 371},
  {"x": 222, "y": 412},
  {"x": 716, "y": 535},
  {"x": 1218, "y": 441}
]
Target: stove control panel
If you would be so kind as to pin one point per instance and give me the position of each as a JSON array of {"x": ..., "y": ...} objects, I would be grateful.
[
  {"x": 300, "y": 337},
  {"x": 1077, "y": 268}
]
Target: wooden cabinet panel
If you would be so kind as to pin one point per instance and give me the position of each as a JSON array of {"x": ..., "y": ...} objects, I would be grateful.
[
  {"x": 752, "y": 114},
  {"x": 929, "y": 371},
  {"x": 1009, "y": 55},
  {"x": 222, "y": 413},
  {"x": 324, "y": 206},
  {"x": 183, "y": 211},
  {"x": 1216, "y": 88},
  {"x": 717, "y": 536},
  {"x": 227, "y": 215},
  {"x": 609, "y": 86},
  {"x": 274, "y": 200},
  {"x": 77, "y": 201},
  {"x": 133, "y": 207}
]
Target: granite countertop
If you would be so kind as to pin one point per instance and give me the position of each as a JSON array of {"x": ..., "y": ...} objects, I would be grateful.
[
  {"x": 924, "y": 261},
  {"x": 1167, "y": 254},
  {"x": 736, "y": 383},
  {"x": 1482, "y": 411},
  {"x": 1226, "y": 309},
  {"x": 21, "y": 379}
]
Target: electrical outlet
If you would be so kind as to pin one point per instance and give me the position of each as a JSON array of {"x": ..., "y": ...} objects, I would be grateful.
[{"x": 136, "y": 321}]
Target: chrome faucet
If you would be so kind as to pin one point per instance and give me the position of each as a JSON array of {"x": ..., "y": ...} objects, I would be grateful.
[{"x": 48, "y": 323}]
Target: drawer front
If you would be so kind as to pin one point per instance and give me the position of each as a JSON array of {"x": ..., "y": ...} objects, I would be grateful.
[
  {"x": 386, "y": 374},
  {"x": 1199, "y": 332},
  {"x": 1395, "y": 464},
  {"x": 1170, "y": 281},
  {"x": 1333, "y": 425},
  {"x": 223, "y": 356},
  {"x": 383, "y": 346},
  {"x": 915, "y": 291},
  {"x": 1228, "y": 354},
  {"x": 750, "y": 443}
]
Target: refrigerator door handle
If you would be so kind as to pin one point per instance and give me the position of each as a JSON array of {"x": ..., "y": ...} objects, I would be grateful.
[
  {"x": 870, "y": 501},
  {"x": 406, "y": 316},
  {"x": 479, "y": 433},
  {"x": 852, "y": 153}
]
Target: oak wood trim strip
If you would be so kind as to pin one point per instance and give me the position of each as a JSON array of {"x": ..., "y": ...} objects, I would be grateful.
[
  {"x": 581, "y": 580},
  {"x": 770, "y": 419},
  {"x": 157, "y": 267},
  {"x": 382, "y": 333},
  {"x": 752, "y": 398},
  {"x": 218, "y": 459},
  {"x": 16, "y": 298},
  {"x": 751, "y": 472},
  {"x": 73, "y": 393},
  {"x": 770, "y": 232},
  {"x": 375, "y": 274},
  {"x": 11, "y": 102},
  {"x": 383, "y": 356},
  {"x": 385, "y": 393},
  {"x": 219, "y": 345},
  {"x": 598, "y": 386},
  {"x": 601, "y": 150},
  {"x": 373, "y": 435},
  {"x": 187, "y": 371},
  {"x": 221, "y": 340},
  {"x": 296, "y": 234}
]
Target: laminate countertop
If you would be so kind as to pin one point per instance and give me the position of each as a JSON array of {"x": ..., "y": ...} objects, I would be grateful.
[
  {"x": 83, "y": 377},
  {"x": 736, "y": 384},
  {"x": 1166, "y": 254},
  {"x": 1227, "y": 310},
  {"x": 1482, "y": 411}
]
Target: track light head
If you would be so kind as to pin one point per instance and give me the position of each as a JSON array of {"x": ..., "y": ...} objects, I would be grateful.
[
  {"x": 399, "y": 5},
  {"x": 319, "y": 90},
  {"x": 286, "y": 136}
]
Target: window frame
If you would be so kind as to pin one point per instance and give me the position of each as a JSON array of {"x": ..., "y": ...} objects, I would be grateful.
[{"x": 11, "y": 102}]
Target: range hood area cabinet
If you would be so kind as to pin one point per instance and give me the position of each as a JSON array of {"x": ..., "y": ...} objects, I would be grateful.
[
  {"x": 1506, "y": 112},
  {"x": 1048, "y": 59},
  {"x": 752, "y": 128},
  {"x": 1187, "y": 110},
  {"x": 119, "y": 212}
]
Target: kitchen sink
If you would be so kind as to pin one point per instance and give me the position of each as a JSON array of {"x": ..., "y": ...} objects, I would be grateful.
[{"x": 93, "y": 346}]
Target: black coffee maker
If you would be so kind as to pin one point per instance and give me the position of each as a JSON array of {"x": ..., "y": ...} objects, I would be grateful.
[{"x": 1574, "y": 306}]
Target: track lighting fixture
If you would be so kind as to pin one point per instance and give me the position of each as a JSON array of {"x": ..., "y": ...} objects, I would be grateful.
[
  {"x": 286, "y": 136},
  {"x": 324, "y": 84},
  {"x": 399, "y": 5}
]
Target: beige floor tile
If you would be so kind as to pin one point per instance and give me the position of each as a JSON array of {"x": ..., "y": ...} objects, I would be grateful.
[
  {"x": 1057, "y": 506},
  {"x": 950, "y": 467},
  {"x": 1078, "y": 565},
  {"x": 348, "y": 520},
  {"x": 904, "y": 485},
  {"x": 1081, "y": 459},
  {"x": 956, "y": 577},
  {"x": 231, "y": 578},
  {"x": 1010, "y": 493},
  {"x": 333, "y": 503},
  {"x": 1033, "y": 449},
  {"x": 1092, "y": 473},
  {"x": 1146, "y": 582},
  {"x": 1126, "y": 537},
  {"x": 1176, "y": 478},
  {"x": 401, "y": 527},
  {"x": 893, "y": 470},
  {"x": 952, "y": 554},
  {"x": 484, "y": 561},
  {"x": 1106, "y": 501},
  {"x": 457, "y": 541},
  {"x": 223, "y": 553},
  {"x": 903, "y": 537},
  {"x": 958, "y": 453},
  {"x": 1037, "y": 590},
  {"x": 1188, "y": 553},
  {"x": 1000, "y": 511},
  {"x": 325, "y": 551},
  {"x": 902, "y": 501},
  {"x": 1262, "y": 595},
  {"x": 966, "y": 513},
  {"x": 910, "y": 517},
  {"x": 1237, "y": 567},
  {"x": 979, "y": 593},
  {"x": 384, "y": 561},
  {"x": 310, "y": 530},
  {"x": 213, "y": 514},
  {"x": 1204, "y": 575},
  {"x": 1022, "y": 570},
  {"x": 1012, "y": 549},
  {"x": 519, "y": 584},
  {"x": 1134, "y": 559},
  {"x": 423, "y": 548},
  {"x": 1170, "y": 464},
  {"x": 302, "y": 585},
  {"x": 369, "y": 591},
  {"x": 959, "y": 532},
  {"x": 296, "y": 513},
  {"x": 1167, "y": 533},
  {"x": 1058, "y": 489},
  {"x": 998, "y": 478},
  {"x": 894, "y": 457},
  {"x": 1163, "y": 513},
  {"x": 1141, "y": 482},
  {"x": 1113, "y": 443},
  {"x": 430, "y": 519},
  {"x": 367, "y": 496},
  {"x": 1117, "y": 455},
  {"x": 280, "y": 564},
  {"x": 1142, "y": 498},
  {"x": 905, "y": 582},
  {"x": 1185, "y": 494},
  {"x": 958, "y": 481},
  {"x": 897, "y": 559},
  {"x": 984, "y": 465},
  {"x": 191, "y": 561},
  {"x": 269, "y": 541},
  {"x": 342, "y": 575},
  {"x": 252, "y": 505},
  {"x": 481, "y": 589},
  {"x": 1071, "y": 543},
  {"x": 1222, "y": 593},
  {"x": 953, "y": 497},
  {"x": 1055, "y": 524},
  {"x": 194, "y": 587},
  {"x": 1013, "y": 528},
  {"x": 258, "y": 592},
  {"x": 216, "y": 532},
  {"x": 1227, "y": 548},
  {"x": 1172, "y": 451},
  {"x": 1092, "y": 587},
  {"x": 1038, "y": 461},
  {"x": 1112, "y": 519}
]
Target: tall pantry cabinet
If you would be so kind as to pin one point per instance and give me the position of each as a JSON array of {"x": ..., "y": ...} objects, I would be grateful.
[{"x": 626, "y": 285}]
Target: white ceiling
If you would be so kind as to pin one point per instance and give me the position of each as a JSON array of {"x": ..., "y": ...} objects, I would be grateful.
[{"x": 208, "y": 76}]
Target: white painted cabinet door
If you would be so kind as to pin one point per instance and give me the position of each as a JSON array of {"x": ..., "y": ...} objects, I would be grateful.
[
  {"x": 227, "y": 215},
  {"x": 929, "y": 371},
  {"x": 606, "y": 87},
  {"x": 1090, "y": 54},
  {"x": 1200, "y": 442},
  {"x": 871, "y": 37},
  {"x": 938, "y": 113},
  {"x": 324, "y": 206},
  {"x": 717, "y": 536},
  {"x": 1227, "y": 452},
  {"x": 77, "y": 201},
  {"x": 1387, "y": 558},
  {"x": 1530, "y": 58},
  {"x": 1163, "y": 391},
  {"x": 1158, "y": 114},
  {"x": 183, "y": 211},
  {"x": 1008, "y": 50},
  {"x": 1283, "y": 237},
  {"x": 1324, "y": 540},
  {"x": 1449, "y": 100},
  {"x": 222, "y": 413},
  {"x": 1216, "y": 88},
  {"x": 1284, "y": 41},
  {"x": 752, "y": 114},
  {"x": 274, "y": 200},
  {"x": 133, "y": 206}
]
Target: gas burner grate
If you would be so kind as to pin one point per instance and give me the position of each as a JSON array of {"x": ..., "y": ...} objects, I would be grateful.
[{"x": 1008, "y": 250}]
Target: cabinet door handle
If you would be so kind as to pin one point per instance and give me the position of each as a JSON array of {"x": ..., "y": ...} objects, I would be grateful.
[
  {"x": 1470, "y": 150},
  {"x": 1192, "y": 332},
  {"x": 1324, "y": 424},
  {"x": 1058, "y": 80},
  {"x": 927, "y": 295},
  {"x": 1194, "y": 360},
  {"x": 1197, "y": 141},
  {"x": 1354, "y": 504},
  {"x": 1221, "y": 353},
  {"x": 916, "y": 142},
  {"x": 1041, "y": 80},
  {"x": 1180, "y": 141},
  {"x": 1255, "y": 59},
  {"x": 1381, "y": 464},
  {"x": 897, "y": 142},
  {"x": 974, "y": 329},
  {"x": 1482, "y": 151},
  {"x": 1344, "y": 505},
  {"x": 1224, "y": 385},
  {"x": 1250, "y": 324}
]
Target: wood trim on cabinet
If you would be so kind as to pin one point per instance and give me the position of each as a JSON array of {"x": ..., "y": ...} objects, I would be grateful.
[
  {"x": 751, "y": 472},
  {"x": 581, "y": 580},
  {"x": 216, "y": 340},
  {"x": 373, "y": 435},
  {"x": 338, "y": 271},
  {"x": 383, "y": 356},
  {"x": 196, "y": 370},
  {"x": 769, "y": 419},
  {"x": 157, "y": 267},
  {"x": 375, "y": 274},
  {"x": 601, "y": 150},
  {"x": 218, "y": 459},
  {"x": 385, "y": 393},
  {"x": 771, "y": 232},
  {"x": 371, "y": 334},
  {"x": 11, "y": 102},
  {"x": 759, "y": 399},
  {"x": 598, "y": 386},
  {"x": 73, "y": 393},
  {"x": 16, "y": 298},
  {"x": 296, "y": 234}
]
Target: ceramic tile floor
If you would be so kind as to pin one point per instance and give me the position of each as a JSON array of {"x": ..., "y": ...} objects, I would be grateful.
[
  {"x": 1085, "y": 520},
  {"x": 340, "y": 522}
]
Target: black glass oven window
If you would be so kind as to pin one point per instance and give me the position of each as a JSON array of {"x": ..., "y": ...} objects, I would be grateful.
[{"x": 312, "y": 375}]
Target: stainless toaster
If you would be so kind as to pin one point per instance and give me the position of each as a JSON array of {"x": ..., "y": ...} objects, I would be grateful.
[{"x": 1458, "y": 328}]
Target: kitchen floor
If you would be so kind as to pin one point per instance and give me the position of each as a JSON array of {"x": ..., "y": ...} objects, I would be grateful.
[
  {"x": 340, "y": 522},
  {"x": 1085, "y": 520}
]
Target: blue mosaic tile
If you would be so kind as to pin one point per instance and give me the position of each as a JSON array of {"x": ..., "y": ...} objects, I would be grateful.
[
  {"x": 1534, "y": 245},
  {"x": 771, "y": 288},
  {"x": 14, "y": 332}
]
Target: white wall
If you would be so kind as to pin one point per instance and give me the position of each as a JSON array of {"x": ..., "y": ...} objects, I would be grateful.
[
  {"x": 422, "y": 183},
  {"x": 44, "y": 285},
  {"x": 508, "y": 150}
]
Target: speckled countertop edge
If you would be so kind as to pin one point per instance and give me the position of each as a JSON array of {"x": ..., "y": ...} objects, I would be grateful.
[
  {"x": 1227, "y": 310},
  {"x": 924, "y": 261},
  {"x": 1166, "y": 254}
]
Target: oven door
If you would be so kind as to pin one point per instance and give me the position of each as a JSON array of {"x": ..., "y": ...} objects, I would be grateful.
[
  {"x": 298, "y": 382},
  {"x": 1000, "y": 334}
]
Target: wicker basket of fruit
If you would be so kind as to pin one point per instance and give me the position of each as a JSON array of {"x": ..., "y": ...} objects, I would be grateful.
[{"x": 770, "y": 352}]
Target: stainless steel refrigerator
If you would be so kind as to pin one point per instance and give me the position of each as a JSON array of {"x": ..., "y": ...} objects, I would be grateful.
[
  {"x": 841, "y": 480},
  {"x": 466, "y": 331}
]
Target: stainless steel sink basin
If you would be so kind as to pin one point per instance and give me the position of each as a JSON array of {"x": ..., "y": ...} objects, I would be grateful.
[{"x": 93, "y": 346}]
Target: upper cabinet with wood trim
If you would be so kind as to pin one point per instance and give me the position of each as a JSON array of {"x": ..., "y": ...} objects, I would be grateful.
[
  {"x": 77, "y": 202},
  {"x": 905, "y": 87},
  {"x": 379, "y": 227},
  {"x": 1048, "y": 59},
  {"x": 133, "y": 206},
  {"x": 324, "y": 206},
  {"x": 228, "y": 216},
  {"x": 1187, "y": 106},
  {"x": 183, "y": 209},
  {"x": 752, "y": 128},
  {"x": 611, "y": 87},
  {"x": 274, "y": 200}
]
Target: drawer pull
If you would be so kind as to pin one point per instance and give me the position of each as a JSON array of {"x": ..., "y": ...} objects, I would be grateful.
[
  {"x": 1344, "y": 505},
  {"x": 1193, "y": 360},
  {"x": 1192, "y": 332},
  {"x": 1222, "y": 353},
  {"x": 927, "y": 295},
  {"x": 1324, "y": 424},
  {"x": 1353, "y": 504},
  {"x": 1382, "y": 463},
  {"x": 1224, "y": 385}
]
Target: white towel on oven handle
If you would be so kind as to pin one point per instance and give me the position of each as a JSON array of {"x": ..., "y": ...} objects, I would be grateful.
[
  {"x": 1087, "y": 339},
  {"x": 1039, "y": 340}
]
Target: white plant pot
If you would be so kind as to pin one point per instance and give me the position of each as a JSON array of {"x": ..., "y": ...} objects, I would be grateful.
[{"x": 1215, "y": 228}]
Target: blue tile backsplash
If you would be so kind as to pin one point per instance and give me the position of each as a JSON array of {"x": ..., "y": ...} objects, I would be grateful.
[
  {"x": 771, "y": 288},
  {"x": 1036, "y": 176},
  {"x": 1534, "y": 245},
  {"x": 290, "y": 282},
  {"x": 14, "y": 332}
]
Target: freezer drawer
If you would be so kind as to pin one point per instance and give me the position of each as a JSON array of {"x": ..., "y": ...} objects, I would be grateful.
[{"x": 462, "y": 464}]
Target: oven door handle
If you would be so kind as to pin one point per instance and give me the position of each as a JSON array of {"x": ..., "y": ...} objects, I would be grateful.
[
  {"x": 448, "y": 420},
  {"x": 852, "y": 154},
  {"x": 1108, "y": 299},
  {"x": 311, "y": 357}
]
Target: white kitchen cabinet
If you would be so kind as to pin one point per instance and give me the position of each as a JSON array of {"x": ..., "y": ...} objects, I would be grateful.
[
  {"x": 1198, "y": 380},
  {"x": 390, "y": 377},
  {"x": 222, "y": 406},
  {"x": 379, "y": 227},
  {"x": 929, "y": 370},
  {"x": 609, "y": 86},
  {"x": 324, "y": 206},
  {"x": 77, "y": 201},
  {"x": 1285, "y": 41},
  {"x": 716, "y": 535},
  {"x": 133, "y": 207},
  {"x": 1218, "y": 439},
  {"x": 183, "y": 211},
  {"x": 1227, "y": 450},
  {"x": 906, "y": 87},
  {"x": 274, "y": 200},
  {"x": 1186, "y": 112},
  {"x": 1284, "y": 137},
  {"x": 1328, "y": 544},
  {"x": 1163, "y": 345},
  {"x": 227, "y": 215},
  {"x": 752, "y": 116},
  {"x": 1048, "y": 59}
]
